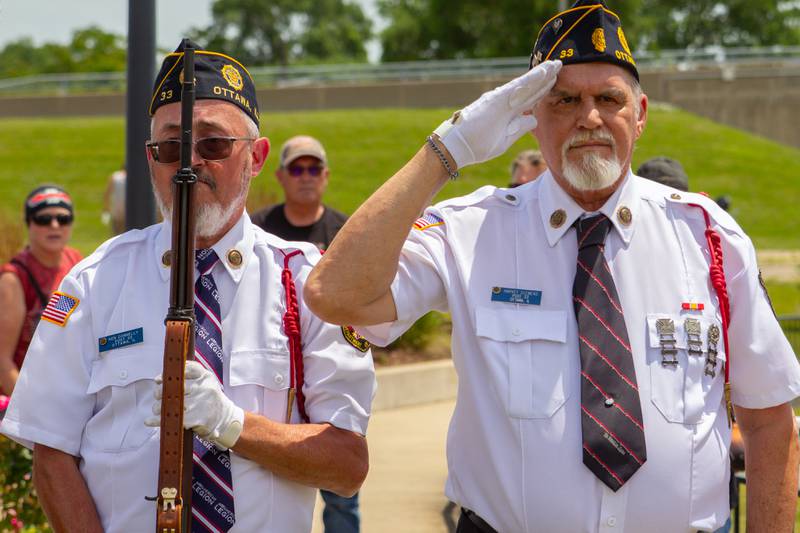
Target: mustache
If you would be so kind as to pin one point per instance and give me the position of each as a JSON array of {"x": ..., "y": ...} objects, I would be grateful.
[
  {"x": 589, "y": 136},
  {"x": 208, "y": 180}
]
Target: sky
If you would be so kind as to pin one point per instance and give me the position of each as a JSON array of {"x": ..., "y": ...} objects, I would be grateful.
[{"x": 56, "y": 20}]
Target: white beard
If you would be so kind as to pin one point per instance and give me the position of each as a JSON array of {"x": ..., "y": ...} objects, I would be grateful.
[{"x": 593, "y": 172}]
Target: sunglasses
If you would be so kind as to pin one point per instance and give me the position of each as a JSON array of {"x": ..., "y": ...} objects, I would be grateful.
[
  {"x": 297, "y": 170},
  {"x": 209, "y": 148},
  {"x": 47, "y": 220}
]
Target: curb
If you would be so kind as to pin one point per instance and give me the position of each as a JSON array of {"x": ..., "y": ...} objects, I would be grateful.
[{"x": 414, "y": 384}]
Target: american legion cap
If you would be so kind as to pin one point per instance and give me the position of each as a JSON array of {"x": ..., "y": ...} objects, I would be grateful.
[
  {"x": 217, "y": 76},
  {"x": 584, "y": 33}
]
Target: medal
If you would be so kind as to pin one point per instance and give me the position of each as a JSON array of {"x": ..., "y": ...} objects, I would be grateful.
[{"x": 666, "y": 337}]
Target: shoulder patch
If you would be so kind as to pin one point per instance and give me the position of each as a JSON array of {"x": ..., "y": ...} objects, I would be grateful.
[
  {"x": 59, "y": 308},
  {"x": 354, "y": 339},
  {"x": 428, "y": 220}
]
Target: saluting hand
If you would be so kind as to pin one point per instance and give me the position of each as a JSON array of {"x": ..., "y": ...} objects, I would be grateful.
[
  {"x": 489, "y": 125},
  {"x": 206, "y": 410}
]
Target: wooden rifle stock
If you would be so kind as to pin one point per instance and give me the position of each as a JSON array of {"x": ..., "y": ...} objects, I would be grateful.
[{"x": 174, "y": 497}]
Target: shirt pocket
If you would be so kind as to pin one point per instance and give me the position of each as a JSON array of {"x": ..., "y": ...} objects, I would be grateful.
[
  {"x": 259, "y": 381},
  {"x": 534, "y": 343},
  {"x": 124, "y": 383},
  {"x": 683, "y": 392}
]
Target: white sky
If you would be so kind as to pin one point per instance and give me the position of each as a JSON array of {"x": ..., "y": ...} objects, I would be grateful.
[{"x": 56, "y": 20}]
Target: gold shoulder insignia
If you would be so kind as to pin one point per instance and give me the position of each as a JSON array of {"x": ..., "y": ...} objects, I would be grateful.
[{"x": 354, "y": 339}]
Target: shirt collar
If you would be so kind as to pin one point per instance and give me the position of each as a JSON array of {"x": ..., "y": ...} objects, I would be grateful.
[
  {"x": 559, "y": 211},
  {"x": 234, "y": 249}
]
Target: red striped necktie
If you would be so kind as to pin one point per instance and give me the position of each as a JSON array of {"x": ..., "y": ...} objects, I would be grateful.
[
  {"x": 611, "y": 413},
  {"x": 212, "y": 482}
]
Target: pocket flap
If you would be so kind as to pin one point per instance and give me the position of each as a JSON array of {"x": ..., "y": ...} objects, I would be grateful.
[
  {"x": 267, "y": 368},
  {"x": 508, "y": 324},
  {"x": 121, "y": 369}
]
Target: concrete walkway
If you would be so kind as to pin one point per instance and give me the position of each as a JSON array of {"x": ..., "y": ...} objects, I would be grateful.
[{"x": 404, "y": 490}]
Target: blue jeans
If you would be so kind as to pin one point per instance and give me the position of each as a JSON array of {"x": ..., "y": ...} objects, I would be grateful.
[{"x": 340, "y": 514}]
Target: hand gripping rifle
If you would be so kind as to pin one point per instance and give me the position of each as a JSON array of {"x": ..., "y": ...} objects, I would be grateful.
[{"x": 174, "y": 495}]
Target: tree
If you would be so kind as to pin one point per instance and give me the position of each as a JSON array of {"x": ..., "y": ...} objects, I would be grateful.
[
  {"x": 440, "y": 29},
  {"x": 90, "y": 50},
  {"x": 280, "y": 32}
]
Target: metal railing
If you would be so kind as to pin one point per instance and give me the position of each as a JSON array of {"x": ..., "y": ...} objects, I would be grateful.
[{"x": 681, "y": 60}]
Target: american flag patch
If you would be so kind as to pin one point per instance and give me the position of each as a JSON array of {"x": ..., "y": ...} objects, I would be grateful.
[
  {"x": 428, "y": 220},
  {"x": 59, "y": 308}
]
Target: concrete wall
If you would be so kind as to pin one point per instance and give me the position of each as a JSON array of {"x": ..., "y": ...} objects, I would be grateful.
[{"x": 762, "y": 100}]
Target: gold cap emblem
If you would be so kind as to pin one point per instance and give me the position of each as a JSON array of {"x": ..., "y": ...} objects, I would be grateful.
[
  {"x": 235, "y": 258},
  {"x": 599, "y": 40},
  {"x": 233, "y": 77},
  {"x": 625, "y": 216},
  {"x": 558, "y": 218}
]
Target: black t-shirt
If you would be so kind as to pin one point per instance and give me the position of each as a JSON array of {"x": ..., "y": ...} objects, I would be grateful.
[{"x": 320, "y": 233}]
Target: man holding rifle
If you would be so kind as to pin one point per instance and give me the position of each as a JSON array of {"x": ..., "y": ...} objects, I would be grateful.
[
  {"x": 603, "y": 324},
  {"x": 88, "y": 398}
]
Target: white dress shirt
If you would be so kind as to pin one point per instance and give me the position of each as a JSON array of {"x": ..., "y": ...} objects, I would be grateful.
[
  {"x": 514, "y": 444},
  {"x": 92, "y": 404}
]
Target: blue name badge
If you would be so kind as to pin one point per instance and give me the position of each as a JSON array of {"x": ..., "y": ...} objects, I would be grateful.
[
  {"x": 516, "y": 296},
  {"x": 120, "y": 340}
]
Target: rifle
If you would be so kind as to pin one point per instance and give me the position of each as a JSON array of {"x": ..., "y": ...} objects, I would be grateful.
[{"x": 174, "y": 497}]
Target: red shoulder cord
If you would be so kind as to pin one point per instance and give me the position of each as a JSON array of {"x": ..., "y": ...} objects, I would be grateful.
[
  {"x": 291, "y": 326},
  {"x": 717, "y": 274}
]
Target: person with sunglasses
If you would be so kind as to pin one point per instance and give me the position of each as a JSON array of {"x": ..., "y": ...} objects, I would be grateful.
[
  {"x": 29, "y": 278},
  {"x": 303, "y": 174},
  {"x": 277, "y": 399}
]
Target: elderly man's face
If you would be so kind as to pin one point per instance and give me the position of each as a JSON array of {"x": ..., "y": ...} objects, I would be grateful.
[
  {"x": 304, "y": 181},
  {"x": 222, "y": 185},
  {"x": 588, "y": 124}
]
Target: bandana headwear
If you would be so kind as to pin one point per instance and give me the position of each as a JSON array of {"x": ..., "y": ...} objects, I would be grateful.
[
  {"x": 46, "y": 196},
  {"x": 586, "y": 32},
  {"x": 216, "y": 75}
]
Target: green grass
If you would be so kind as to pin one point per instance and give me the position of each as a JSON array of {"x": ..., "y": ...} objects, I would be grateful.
[{"x": 367, "y": 146}]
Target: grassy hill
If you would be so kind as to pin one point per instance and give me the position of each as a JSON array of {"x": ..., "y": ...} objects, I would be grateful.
[{"x": 367, "y": 146}]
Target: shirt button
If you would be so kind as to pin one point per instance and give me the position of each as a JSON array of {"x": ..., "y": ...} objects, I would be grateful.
[
  {"x": 123, "y": 374},
  {"x": 278, "y": 378},
  {"x": 516, "y": 332},
  {"x": 612, "y": 521}
]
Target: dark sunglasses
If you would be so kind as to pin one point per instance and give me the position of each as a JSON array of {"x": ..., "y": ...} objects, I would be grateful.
[
  {"x": 209, "y": 148},
  {"x": 297, "y": 170},
  {"x": 47, "y": 220}
]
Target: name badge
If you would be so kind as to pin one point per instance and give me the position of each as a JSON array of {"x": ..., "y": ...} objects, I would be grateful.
[
  {"x": 120, "y": 340},
  {"x": 516, "y": 296}
]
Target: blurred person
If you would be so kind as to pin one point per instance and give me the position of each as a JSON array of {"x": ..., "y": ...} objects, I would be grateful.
[
  {"x": 526, "y": 167},
  {"x": 29, "y": 278},
  {"x": 600, "y": 347},
  {"x": 666, "y": 171},
  {"x": 88, "y": 399},
  {"x": 303, "y": 174},
  {"x": 114, "y": 201}
]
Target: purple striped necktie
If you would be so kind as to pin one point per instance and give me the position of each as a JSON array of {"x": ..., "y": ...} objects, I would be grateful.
[
  {"x": 611, "y": 413},
  {"x": 212, "y": 483}
]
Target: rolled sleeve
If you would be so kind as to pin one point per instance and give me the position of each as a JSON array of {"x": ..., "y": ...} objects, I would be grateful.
[
  {"x": 764, "y": 369},
  {"x": 50, "y": 405}
]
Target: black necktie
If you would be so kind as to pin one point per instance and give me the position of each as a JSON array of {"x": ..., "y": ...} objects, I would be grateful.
[{"x": 611, "y": 414}]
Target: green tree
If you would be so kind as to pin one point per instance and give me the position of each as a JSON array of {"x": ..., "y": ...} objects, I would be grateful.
[
  {"x": 280, "y": 32},
  {"x": 90, "y": 50},
  {"x": 440, "y": 29}
]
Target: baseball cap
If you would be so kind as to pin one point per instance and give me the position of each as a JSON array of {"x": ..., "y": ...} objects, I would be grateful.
[
  {"x": 302, "y": 145},
  {"x": 666, "y": 171}
]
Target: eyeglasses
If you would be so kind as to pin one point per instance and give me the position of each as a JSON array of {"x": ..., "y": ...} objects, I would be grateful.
[
  {"x": 47, "y": 220},
  {"x": 209, "y": 148},
  {"x": 297, "y": 170}
]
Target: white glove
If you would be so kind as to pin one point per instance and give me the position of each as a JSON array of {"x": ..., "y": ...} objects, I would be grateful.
[
  {"x": 489, "y": 125},
  {"x": 206, "y": 410}
]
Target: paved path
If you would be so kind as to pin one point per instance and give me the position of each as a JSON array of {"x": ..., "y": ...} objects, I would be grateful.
[{"x": 404, "y": 490}]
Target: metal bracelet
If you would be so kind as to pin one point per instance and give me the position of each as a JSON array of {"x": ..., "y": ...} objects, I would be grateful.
[{"x": 450, "y": 172}]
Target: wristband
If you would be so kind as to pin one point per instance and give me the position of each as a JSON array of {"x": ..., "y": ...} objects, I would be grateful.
[{"x": 453, "y": 174}]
